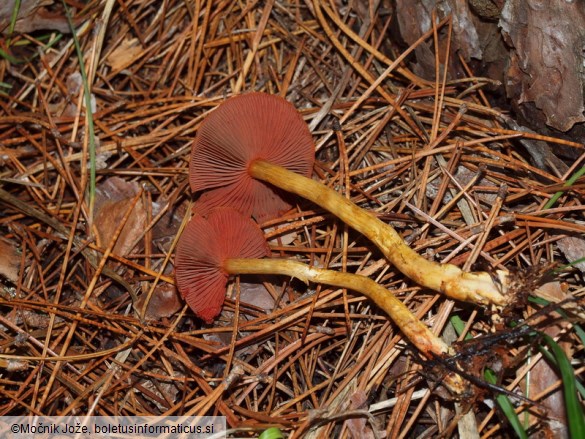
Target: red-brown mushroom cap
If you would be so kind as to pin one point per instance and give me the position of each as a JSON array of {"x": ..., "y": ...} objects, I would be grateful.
[
  {"x": 202, "y": 249},
  {"x": 242, "y": 129}
]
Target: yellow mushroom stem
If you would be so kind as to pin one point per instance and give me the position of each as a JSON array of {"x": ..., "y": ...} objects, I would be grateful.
[
  {"x": 430, "y": 345},
  {"x": 475, "y": 287}
]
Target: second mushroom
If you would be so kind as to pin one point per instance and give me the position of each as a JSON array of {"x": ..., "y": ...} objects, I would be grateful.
[{"x": 227, "y": 243}]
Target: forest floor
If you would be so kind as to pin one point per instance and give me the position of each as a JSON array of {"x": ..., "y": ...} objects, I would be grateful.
[{"x": 92, "y": 205}]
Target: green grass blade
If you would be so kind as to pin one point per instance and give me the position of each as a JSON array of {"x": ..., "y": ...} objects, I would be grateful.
[
  {"x": 578, "y": 330},
  {"x": 550, "y": 203},
  {"x": 551, "y": 358},
  {"x": 502, "y": 400},
  {"x": 459, "y": 326},
  {"x": 13, "y": 60},
  {"x": 507, "y": 407},
  {"x": 575, "y": 416},
  {"x": 580, "y": 333},
  {"x": 89, "y": 114},
  {"x": 13, "y": 18},
  {"x": 561, "y": 268},
  {"x": 271, "y": 433},
  {"x": 8, "y": 57}
]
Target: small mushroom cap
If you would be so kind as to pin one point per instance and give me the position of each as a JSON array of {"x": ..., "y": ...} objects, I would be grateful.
[
  {"x": 243, "y": 129},
  {"x": 202, "y": 249}
]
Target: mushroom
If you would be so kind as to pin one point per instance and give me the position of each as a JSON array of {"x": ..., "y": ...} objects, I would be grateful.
[
  {"x": 226, "y": 243},
  {"x": 250, "y": 127},
  {"x": 254, "y": 143}
]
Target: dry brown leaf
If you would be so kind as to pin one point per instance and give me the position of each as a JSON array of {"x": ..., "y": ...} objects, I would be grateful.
[
  {"x": 256, "y": 295},
  {"x": 252, "y": 294},
  {"x": 358, "y": 427},
  {"x": 9, "y": 260},
  {"x": 573, "y": 248},
  {"x": 31, "y": 16},
  {"x": 168, "y": 225},
  {"x": 164, "y": 302},
  {"x": 112, "y": 201},
  {"x": 124, "y": 55},
  {"x": 280, "y": 239}
]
